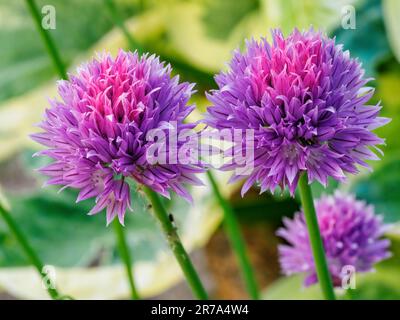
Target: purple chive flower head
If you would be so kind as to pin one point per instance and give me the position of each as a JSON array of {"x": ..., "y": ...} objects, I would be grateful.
[
  {"x": 306, "y": 101},
  {"x": 350, "y": 232},
  {"x": 96, "y": 132}
]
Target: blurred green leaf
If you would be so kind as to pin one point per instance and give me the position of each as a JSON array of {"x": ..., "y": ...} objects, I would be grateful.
[
  {"x": 291, "y": 288},
  {"x": 218, "y": 23},
  {"x": 68, "y": 237},
  {"x": 381, "y": 188},
  {"x": 388, "y": 84},
  {"x": 367, "y": 42},
  {"x": 290, "y": 14},
  {"x": 391, "y": 10},
  {"x": 24, "y": 62},
  {"x": 64, "y": 236},
  {"x": 318, "y": 189},
  {"x": 191, "y": 27},
  {"x": 263, "y": 207}
]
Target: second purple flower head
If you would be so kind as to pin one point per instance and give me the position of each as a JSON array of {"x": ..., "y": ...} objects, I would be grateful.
[{"x": 306, "y": 101}]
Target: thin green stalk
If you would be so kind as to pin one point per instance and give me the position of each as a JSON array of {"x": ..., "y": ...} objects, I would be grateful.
[
  {"x": 232, "y": 229},
  {"x": 54, "y": 54},
  {"x": 176, "y": 245},
  {"x": 201, "y": 77},
  {"x": 118, "y": 20},
  {"x": 317, "y": 246},
  {"x": 48, "y": 41},
  {"x": 30, "y": 253},
  {"x": 142, "y": 5},
  {"x": 126, "y": 257}
]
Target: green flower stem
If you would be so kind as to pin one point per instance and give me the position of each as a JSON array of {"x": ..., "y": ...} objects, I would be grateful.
[
  {"x": 126, "y": 257},
  {"x": 233, "y": 232},
  {"x": 52, "y": 50},
  {"x": 176, "y": 245},
  {"x": 321, "y": 265},
  {"x": 60, "y": 67},
  {"x": 230, "y": 223},
  {"x": 48, "y": 41},
  {"x": 30, "y": 253}
]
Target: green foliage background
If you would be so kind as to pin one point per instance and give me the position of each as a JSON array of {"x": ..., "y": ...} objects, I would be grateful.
[{"x": 197, "y": 38}]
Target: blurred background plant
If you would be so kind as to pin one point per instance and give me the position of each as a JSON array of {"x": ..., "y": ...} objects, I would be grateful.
[{"x": 196, "y": 37}]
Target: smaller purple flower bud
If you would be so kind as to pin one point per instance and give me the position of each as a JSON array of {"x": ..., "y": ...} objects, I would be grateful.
[{"x": 351, "y": 234}]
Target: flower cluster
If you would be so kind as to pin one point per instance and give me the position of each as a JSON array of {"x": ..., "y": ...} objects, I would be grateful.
[
  {"x": 306, "y": 101},
  {"x": 301, "y": 101},
  {"x": 96, "y": 133},
  {"x": 350, "y": 232}
]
